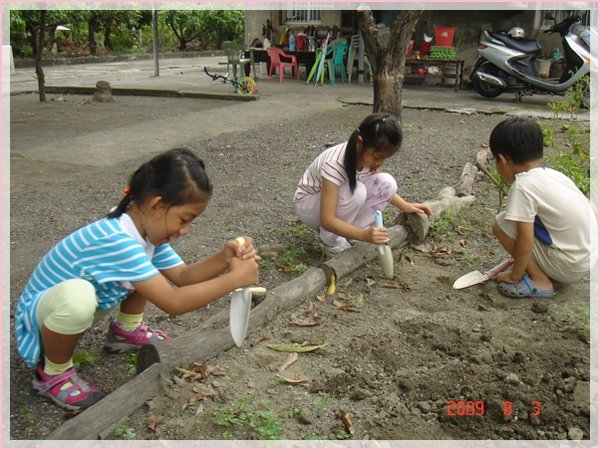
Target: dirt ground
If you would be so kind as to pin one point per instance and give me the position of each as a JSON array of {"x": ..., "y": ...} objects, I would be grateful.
[{"x": 410, "y": 359}]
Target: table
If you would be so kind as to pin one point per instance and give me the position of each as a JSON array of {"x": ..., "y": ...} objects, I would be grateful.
[
  {"x": 456, "y": 64},
  {"x": 303, "y": 57}
]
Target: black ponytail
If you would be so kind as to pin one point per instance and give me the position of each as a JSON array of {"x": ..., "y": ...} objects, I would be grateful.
[
  {"x": 379, "y": 131},
  {"x": 178, "y": 176}
]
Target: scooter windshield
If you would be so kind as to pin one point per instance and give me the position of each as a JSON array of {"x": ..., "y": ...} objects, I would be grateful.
[{"x": 584, "y": 38}]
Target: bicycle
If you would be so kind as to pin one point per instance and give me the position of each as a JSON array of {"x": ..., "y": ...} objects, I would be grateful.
[{"x": 243, "y": 85}]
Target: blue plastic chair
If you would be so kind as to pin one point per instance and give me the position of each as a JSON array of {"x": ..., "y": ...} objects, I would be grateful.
[{"x": 337, "y": 62}]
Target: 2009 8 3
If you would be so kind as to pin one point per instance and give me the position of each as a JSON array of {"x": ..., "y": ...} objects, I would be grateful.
[{"x": 477, "y": 408}]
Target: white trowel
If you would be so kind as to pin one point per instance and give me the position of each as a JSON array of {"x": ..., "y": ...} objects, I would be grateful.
[
  {"x": 239, "y": 310},
  {"x": 476, "y": 277},
  {"x": 385, "y": 252}
]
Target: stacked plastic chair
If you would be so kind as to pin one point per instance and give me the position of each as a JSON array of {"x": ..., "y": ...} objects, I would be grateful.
[
  {"x": 353, "y": 55},
  {"x": 340, "y": 48}
]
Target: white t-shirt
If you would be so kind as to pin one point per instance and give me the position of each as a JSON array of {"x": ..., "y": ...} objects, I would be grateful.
[
  {"x": 564, "y": 215},
  {"x": 329, "y": 165}
]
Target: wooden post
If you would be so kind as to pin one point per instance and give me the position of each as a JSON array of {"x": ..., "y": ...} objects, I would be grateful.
[{"x": 103, "y": 92}]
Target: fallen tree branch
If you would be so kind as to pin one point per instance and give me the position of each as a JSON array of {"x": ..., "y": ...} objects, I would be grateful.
[
  {"x": 467, "y": 180},
  {"x": 483, "y": 156}
]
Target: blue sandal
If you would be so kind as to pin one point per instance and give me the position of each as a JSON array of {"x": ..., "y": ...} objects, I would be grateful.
[{"x": 523, "y": 288}]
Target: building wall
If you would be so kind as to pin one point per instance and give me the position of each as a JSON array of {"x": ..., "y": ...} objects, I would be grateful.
[
  {"x": 469, "y": 25},
  {"x": 255, "y": 19}
]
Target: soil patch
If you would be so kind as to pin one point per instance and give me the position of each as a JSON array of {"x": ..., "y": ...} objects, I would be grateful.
[{"x": 411, "y": 359}]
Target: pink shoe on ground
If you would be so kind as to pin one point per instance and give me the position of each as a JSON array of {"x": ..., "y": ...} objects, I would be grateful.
[
  {"x": 132, "y": 340},
  {"x": 79, "y": 395}
]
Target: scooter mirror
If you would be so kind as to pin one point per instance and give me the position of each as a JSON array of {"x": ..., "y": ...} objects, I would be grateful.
[{"x": 549, "y": 16}]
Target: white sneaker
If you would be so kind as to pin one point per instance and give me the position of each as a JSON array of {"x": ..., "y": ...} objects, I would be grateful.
[{"x": 345, "y": 245}]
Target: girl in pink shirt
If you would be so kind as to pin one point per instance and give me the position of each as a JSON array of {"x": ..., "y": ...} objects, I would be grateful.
[{"x": 343, "y": 187}]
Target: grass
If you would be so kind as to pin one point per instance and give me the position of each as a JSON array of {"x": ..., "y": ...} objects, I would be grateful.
[
  {"x": 175, "y": 423},
  {"x": 575, "y": 319},
  {"x": 323, "y": 402},
  {"x": 575, "y": 162},
  {"x": 343, "y": 435},
  {"x": 246, "y": 414},
  {"x": 291, "y": 412},
  {"x": 471, "y": 260},
  {"x": 28, "y": 414},
  {"x": 291, "y": 260},
  {"x": 571, "y": 103},
  {"x": 131, "y": 364},
  {"x": 125, "y": 432},
  {"x": 85, "y": 357},
  {"x": 449, "y": 225},
  {"x": 304, "y": 249}
]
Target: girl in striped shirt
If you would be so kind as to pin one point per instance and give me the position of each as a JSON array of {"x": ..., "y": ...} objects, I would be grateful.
[
  {"x": 124, "y": 259},
  {"x": 342, "y": 189}
]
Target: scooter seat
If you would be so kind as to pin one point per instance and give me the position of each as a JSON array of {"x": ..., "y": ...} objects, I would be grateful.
[{"x": 523, "y": 45}]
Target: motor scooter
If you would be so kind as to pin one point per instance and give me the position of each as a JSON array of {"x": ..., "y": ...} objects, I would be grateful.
[{"x": 507, "y": 64}]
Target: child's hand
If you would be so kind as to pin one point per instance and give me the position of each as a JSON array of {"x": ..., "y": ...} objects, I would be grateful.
[
  {"x": 246, "y": 271},
  {"x": 420, "y": 208},
  {"x": 377, "y": 235},
  {"x": 242, "y": 248}
]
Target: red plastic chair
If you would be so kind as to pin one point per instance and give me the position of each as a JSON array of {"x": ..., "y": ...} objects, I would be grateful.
[{"x": 275, "y": 55}]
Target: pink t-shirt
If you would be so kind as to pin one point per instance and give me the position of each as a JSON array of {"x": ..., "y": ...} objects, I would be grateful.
[{"x": 329, "y": 165}]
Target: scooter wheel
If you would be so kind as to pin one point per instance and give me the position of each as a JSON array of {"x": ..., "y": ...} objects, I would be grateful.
[{"x": 484, "y": 89}]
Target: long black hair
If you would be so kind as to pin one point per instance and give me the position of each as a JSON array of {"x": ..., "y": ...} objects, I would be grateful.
[
  {"x": 177, "y": 176},
  {"x": 380, "y": 132}
]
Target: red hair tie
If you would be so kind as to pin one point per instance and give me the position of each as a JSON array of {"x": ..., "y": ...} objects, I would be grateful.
[{"x": 127, "y": 190}]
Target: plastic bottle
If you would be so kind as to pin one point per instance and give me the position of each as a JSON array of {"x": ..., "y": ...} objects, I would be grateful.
[{"x": 292, "y": 42}]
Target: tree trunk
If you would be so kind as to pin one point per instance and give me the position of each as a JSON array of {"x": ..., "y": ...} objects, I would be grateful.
[
  {"x": 107, "y": 33},
  {"x": 387, "y": 91},
  {"x": 51, "y": 37},
  {"x": 92, "y": 26},
  {"x": 38, "y": 56},
  {"x": 32, "y": 31},
  {"x": 387, "y": 56}
]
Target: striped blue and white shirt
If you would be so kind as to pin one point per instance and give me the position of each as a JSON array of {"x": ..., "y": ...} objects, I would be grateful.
[{"x": 109, "y": 253}]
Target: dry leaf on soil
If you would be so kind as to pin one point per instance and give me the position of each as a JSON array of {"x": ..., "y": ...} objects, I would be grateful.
[
  {"x": 290, "y": 348},
  {"x": 347, "y": 419},
  {"x": 155, "y": 421},
  {"x": 345, "y": 307},
  {"x": 302, "y": 382},
  {"x": 288, "y": 362}
]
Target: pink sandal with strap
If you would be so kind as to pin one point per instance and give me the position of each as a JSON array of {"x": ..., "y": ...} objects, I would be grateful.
[
  {"x": 133, "y": 340},
  {"x": 79, "y": 395}
]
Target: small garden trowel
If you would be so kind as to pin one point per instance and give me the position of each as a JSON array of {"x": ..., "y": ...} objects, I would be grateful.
[
  {"x": 239, "y": 314},
  {"x": 385, "y": 252},
  {"x": 239, "y": 310},
  {"x": 476, "y": 277}
]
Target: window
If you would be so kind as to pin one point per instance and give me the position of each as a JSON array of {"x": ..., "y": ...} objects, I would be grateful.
[{"x": 301, "y": 12}]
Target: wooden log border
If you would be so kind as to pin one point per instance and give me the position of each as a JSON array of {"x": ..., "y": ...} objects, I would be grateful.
[{"x": 213, "y": 338}]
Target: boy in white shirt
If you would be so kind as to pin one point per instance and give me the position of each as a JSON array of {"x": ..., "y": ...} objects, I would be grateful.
[{"x": 548, "y": 222}]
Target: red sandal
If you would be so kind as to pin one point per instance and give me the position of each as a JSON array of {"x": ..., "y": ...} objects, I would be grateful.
[
  {"x": 132, "y": 340},
  {"x": 79, "y": 395}
]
